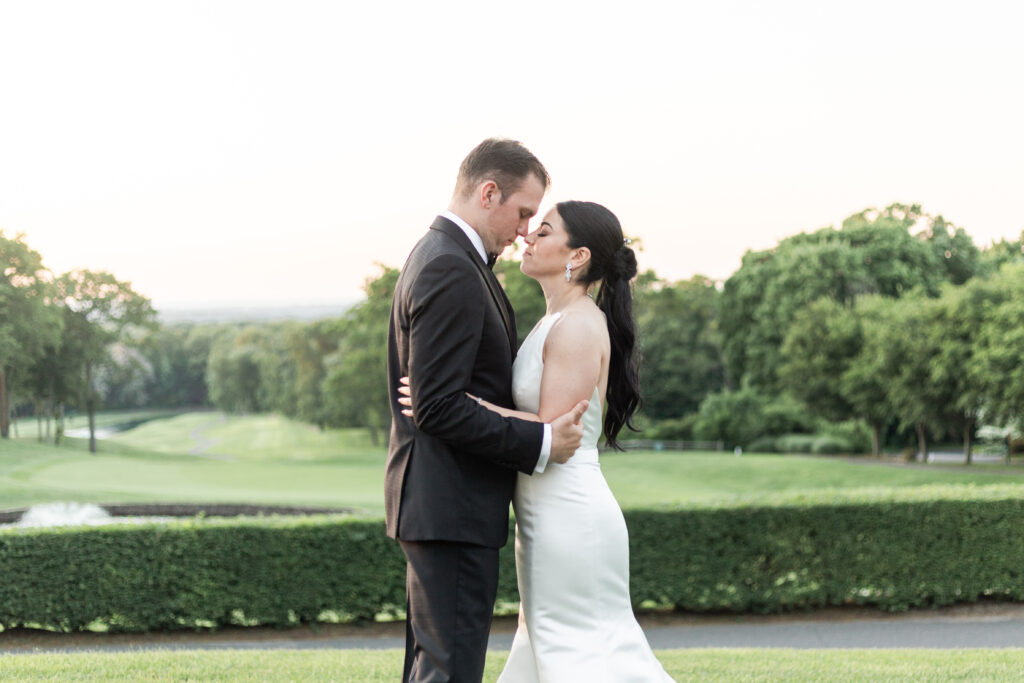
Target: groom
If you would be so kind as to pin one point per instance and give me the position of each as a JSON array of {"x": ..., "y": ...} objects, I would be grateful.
[{"x": 451, "y": 468}]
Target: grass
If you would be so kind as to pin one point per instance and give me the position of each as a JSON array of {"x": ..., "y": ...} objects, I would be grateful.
[
  {"x": 211, "y": 457},
  {"x": 365, "y": 666},
  {"x": 666, "y": 479}
]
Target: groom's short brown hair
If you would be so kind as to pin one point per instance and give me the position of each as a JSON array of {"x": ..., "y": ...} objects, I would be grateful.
[{"x": 507, "y": 162}]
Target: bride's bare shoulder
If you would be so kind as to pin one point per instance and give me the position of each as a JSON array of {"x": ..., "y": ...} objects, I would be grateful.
[{"x": 578, "y": 329}]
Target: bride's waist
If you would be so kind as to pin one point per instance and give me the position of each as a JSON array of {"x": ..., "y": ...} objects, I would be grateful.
[{"x": 586, "y": 455}]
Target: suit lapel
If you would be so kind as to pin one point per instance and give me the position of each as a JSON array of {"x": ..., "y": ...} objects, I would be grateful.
[{"x": 497, "y": 293}]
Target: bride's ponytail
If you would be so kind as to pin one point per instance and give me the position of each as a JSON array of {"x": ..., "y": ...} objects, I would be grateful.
[{"x": 612, "y": 265}]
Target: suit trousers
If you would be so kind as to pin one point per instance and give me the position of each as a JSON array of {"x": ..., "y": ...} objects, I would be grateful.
[{"x": 450, "y": 592}]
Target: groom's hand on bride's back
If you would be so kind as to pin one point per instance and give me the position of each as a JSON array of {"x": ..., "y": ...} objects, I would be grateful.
[{"x": 567, "y": 433}]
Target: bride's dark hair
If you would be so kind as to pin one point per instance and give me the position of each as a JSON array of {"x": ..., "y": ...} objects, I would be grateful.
[{"x": 612, "y": 265}]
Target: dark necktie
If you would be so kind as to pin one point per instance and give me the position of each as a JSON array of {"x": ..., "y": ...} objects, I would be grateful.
[{"x": 491, "y": 259}]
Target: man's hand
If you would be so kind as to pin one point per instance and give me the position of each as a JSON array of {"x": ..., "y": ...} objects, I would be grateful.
[{"x": 567, "y": 433}]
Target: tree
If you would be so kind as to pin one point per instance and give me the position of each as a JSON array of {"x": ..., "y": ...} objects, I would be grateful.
[
  {"x": 732, "y": 417},
  {"x": 177, "y": 355},
  {"x": 1002, "y": 252},
  {"x": 355, "y": 386},
  {"x": 98, "y": 309},
  {"x": 29, "y": 323},
  {"x": 959, "y": 316},
  {"x": 997, "y": 365},
  {"x": 233, "y": 370},
  {"x": 822, "y": 342},
  {"x": 524, "y": 293},
  {"x": 954, "y": 249},
  {"x": 678, "y": 336},
  {"x": 863, "y": 382},
  {"x": 907, "y": 342},
  {"x": 873, "y": 253}
]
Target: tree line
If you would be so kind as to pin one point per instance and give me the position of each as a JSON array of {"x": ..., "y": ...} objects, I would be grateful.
[
  {"x": 893, "y": 330},
  {"x": 56, "y": 334}
]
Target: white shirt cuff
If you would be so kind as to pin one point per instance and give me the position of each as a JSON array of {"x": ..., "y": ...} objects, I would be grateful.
[{"x": 545, "y": 450}]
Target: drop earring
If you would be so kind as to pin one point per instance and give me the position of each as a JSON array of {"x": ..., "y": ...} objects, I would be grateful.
[{"x": 568, "y": 272}]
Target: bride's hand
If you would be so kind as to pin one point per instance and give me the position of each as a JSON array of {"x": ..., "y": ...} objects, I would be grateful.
[{"x": 406, "y": 397}]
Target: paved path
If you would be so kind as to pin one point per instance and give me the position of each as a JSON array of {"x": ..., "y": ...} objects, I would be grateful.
[{"x": 972, "y": 626}]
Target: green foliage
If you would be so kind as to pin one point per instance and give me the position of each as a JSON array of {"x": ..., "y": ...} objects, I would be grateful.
[
  {"x": 873, "y": 253},
  {"x": 996, "y": 369},
  {"x": 880, "y": 548},
  {"x": 733, "y": 417},
  {"x": 524, "y": 293},
  {"x": 201, "y": 573},
  {"x": 678, "y": 337},
  {"x": 795, "y": 443},
  {"x": 233, "y": 371},
  {"x": 738, "y": 417},
  {"x": 678, "y": 429},
  {"x": 176, "y": 356},
  {"x": 29, "y": 324},
  {"x": 855, "y": 433},
  {"x": 99, "y": 310},
  {"x": 355, "y": 386},
  {"x": 820, "y": 345}
]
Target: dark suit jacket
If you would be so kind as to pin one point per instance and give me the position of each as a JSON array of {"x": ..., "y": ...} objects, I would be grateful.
[{"x": 451, "y": 469}]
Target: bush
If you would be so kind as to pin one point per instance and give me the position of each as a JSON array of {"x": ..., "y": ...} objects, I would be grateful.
[
  {"x": 763, "y": 444},
  {"x": 855, "y": 433},
  {"x": 892, "y": 549},
  {"x": 785, "y": 415},
  {"x": 831, "y": 445},
  {"x": 678, "y": 429},
  {"x": 199, "y": 573},
  {"x": 795, "y": 443}
]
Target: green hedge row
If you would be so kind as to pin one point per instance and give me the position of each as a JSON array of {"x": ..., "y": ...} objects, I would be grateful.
[{"x": 931, "y": 546}]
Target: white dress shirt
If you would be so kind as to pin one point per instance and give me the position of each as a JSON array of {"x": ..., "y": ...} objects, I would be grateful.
[{"x": 478, "y": 243}]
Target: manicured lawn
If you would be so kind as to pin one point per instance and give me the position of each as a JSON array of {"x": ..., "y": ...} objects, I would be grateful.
[
  {"x": 365, "y": 666},
  {"x": 649, "y": 479},
  {"x": 33, "y": 473},
  {"x": 210, "y": 457},
  {"x": 250, "y": 438}
]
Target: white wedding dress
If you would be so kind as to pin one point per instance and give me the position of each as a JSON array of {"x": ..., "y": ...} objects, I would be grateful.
[{"x": 576, "y": 622}]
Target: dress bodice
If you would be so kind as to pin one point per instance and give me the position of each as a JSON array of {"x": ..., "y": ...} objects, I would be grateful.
[{"x": 528, "y": 370}]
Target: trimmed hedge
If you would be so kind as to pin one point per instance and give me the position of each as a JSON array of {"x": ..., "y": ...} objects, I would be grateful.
[{"x": 888, "y": 548}]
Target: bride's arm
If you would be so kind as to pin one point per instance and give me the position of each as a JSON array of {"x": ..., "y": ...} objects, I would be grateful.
[
  {"x": 406, "y": 400},
  {"x": 573, "y": 355},
  {"x": 506, "y": 412}
]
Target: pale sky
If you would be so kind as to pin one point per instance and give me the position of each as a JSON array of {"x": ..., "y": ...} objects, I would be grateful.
[{"x": 270, "y": 152}]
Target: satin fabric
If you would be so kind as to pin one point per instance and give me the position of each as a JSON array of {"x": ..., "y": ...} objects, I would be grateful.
[{"x": 576, "y": 622}]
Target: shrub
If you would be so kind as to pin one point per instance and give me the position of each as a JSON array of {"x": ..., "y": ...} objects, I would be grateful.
[
  {"x": 785, "y": 415},
  {"x": 891, "y": 549},
  {"x": 680, "y": 428},
  {"x": 795, "y": 443},
  {"x": 830, "y": 445},
  {"x": 733, "y": 417},
  {"x": 763, "y": 444},
  {"x": 855, "y": 433}
]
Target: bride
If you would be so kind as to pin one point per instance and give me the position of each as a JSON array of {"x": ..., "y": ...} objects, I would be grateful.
[{"x": 576, "y": 620}]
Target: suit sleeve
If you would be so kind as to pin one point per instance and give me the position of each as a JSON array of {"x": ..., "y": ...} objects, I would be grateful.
[{"x": 446, "y": 309}]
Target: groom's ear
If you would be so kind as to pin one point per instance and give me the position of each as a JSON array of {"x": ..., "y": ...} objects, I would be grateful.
[{"x": 489, "y": 194}]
